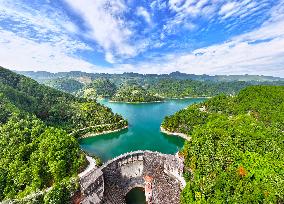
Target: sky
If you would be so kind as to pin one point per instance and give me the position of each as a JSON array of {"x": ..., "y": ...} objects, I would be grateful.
[{"x": 159, "y": 36}]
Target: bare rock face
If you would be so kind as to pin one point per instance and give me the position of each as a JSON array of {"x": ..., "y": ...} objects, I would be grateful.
[{"x": 159, "y": 174}]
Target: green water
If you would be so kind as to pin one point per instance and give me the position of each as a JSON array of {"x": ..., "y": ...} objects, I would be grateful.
[
  {"x": 136, "y": 196},
  {"x": 143, "y": 132}
]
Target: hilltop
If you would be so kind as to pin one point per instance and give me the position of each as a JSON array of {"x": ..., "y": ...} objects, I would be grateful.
[{"x": 42, "y": 75}]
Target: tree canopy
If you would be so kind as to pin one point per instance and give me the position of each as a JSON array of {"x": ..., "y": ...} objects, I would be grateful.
[
  {"x": 37, "y": 149},
  {"x": 235, "y": 154},
  {"x": 134, "y": 93}
]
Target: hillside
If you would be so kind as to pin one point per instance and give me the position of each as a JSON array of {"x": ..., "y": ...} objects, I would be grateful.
[
  {"x": 65, "y": 84},
  {"x": 134, "y": 93},
  {"x": 99, "y": 88},
  {"x": 173, "y": 88},
  {"x": 56, "y": 108},
  {"x": 40, "y": 75},
  {"x": 37, "y": 150},
  {"x": 173, "y": 85},
  {"x": 236, "y": 152}
]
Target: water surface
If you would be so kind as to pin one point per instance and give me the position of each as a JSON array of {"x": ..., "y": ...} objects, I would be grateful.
[
  {"x": 136, "y": 196},
  {"x": 143, "y": 132}
]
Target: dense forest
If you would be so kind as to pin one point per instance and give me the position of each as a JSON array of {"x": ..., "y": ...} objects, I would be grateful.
[
  {"x": 65, "y": 84},
  {"x": 173, "y": 88},
  {"x": 174, "y": 85},
  {"x": 42, "y": 76},
  {"x": 134, "y": 93},
  {"x": 236, "y": 151},
  {"x": 38, "y": 144},
  {"x": 99, "y": 88}
]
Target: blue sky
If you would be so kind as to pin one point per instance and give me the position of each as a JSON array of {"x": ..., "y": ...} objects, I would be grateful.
[{"x": 159, "y": 36}]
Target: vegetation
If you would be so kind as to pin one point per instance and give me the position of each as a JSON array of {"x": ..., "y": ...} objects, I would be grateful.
[
  {"x": 174, "y": 85},
  {"x": 100, "y": 88},
  {"x": 172, "y": 88},
  {"x": 39, "y": 75},
  {"x": 56, "y": 108},
  {"x": 65, "y": 84},
  {"x": 134, "y": 93},
  {"x": 236, "y": 150},
  {"x": 37, "y": 150}
]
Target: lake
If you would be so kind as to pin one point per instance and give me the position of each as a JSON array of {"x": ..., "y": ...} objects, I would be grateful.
[{"x": 143, "y": 132}]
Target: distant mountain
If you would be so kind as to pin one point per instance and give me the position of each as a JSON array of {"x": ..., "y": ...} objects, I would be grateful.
[
  {"x": 173, "y": 85},
  {"x": 134, "y": 93},
  {"x": 41, "y": 76}
]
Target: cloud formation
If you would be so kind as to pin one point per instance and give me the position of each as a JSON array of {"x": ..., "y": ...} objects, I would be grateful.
[
  {"x": 193, "y": 36},
  {"x": 260, "y": 51}
]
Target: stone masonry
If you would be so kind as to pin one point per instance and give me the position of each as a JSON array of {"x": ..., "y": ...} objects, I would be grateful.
[{"x": 111, "y": 182}]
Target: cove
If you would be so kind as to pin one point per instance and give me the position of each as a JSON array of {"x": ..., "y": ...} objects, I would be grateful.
[{"x": 143, "y": 132}]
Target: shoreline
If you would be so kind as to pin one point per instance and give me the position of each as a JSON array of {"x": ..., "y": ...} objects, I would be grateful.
[
  {"x": 87, "y": 135},
  {"x": 179, "y": 134},
  {"x": 135, "y": 102},
  {"x": 165, "y": 99},
  {"x": 190, "y": 97}
]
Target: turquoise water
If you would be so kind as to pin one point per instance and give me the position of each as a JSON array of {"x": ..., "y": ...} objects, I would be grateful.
[{"x": 143, "y": 132}]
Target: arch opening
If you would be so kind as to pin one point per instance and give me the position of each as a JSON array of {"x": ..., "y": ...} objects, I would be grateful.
[{"x": 136, "y": 196}]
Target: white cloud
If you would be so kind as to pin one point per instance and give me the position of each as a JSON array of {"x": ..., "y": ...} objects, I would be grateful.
[
  {"x": 257, "y": 52},
  {"x": 39, "y": 40},
  {"x": 23, "y": 54},
  {"x": 144, "y": 13},
  {"x": 106, "y": 25},
  {"x": 44, "y": 38},
  {"x": 228, "y": 7},
  {"x": 158, "y": 5},
  {"x": 241, "y": 9},
  {"x": 109, "y": 57}
]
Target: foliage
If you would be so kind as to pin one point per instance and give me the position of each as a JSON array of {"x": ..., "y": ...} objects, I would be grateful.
[
  {"x": 65, "y": 84},
  {"x": 100, "y": 88},
  {"x": 37, "y": 150},
  {"x": 134, "y": 93},
  {"x": 173, "y": 88},
  {"x": 61, "y": 192},
  {"x": 235, "y": 154},
  {"x": 34, "y": 156},
  {"x": 173, "y": 85},
  {"x": 54, "y": 107}
]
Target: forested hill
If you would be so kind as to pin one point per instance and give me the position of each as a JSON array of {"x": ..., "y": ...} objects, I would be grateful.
[
  {"x": 42, "y": 75},
  {"x": 134, "y": 93},
  {"x": 37, "y": 150},
  {"x": 54, "y": 107},
  {"x": 236, "y": 152},
  {"x": 174, "y": 85}
]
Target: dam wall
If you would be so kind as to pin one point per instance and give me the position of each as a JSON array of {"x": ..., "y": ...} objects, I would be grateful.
[{"x": 113, "y": 180}]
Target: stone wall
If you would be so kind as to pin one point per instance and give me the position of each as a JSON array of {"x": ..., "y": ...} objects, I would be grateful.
[{"x": 112, "y": 181}]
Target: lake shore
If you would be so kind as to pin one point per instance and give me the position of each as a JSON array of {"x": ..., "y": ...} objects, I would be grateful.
[
  {"x": 102, "y": 133},
  {"x": 135, "y": 102},
  {"x": 164, "y": 100},
  {"x": 189, "y": 97},
  {"x": 179, "y": 134}
]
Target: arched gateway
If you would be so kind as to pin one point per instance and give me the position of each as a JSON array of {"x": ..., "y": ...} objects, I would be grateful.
[{"x": 160, "y": 175}]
